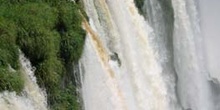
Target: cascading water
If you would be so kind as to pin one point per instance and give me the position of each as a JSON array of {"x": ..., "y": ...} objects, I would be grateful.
[
  {"x": 121, "y": 65},
  {"x": 159, "y": 14},
  {"x": 32, "y": 97},
  {"x": 193, "y": 86},
  {"x": 210, "y": 31},
  {"x": 156, "y": 63}
]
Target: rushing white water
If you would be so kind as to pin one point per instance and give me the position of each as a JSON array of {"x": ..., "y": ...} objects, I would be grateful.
[
  {"x": 192, "y": 86},
  {"x": 155, "y": 11},
  {"x": 156, "y": 63},
  {"x": 32, "y": 97},
  {"x": 121, "y": 65}
]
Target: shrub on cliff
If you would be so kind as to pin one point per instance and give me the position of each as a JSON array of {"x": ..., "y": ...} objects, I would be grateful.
[{"x": 49, "y": 32}]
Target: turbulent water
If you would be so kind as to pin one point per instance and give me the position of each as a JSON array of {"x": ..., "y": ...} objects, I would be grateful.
[
  {"x": 134, "y": 79},
  {"x": 32, "y": 97},
  {"x": 150, "y": 62},
  {"x": 193, "y": 87}
]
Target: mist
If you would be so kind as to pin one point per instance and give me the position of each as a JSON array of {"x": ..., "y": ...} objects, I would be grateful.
[{"x": 210, "y": 25}]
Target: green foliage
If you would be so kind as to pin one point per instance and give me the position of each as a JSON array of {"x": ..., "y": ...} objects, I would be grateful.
[
  {"x": 72, "y": 35},
  {"x": 69, "y": 42},
  {"x": 8, "y": 49},
  {"x": 11, "y": 81},
  {"x": 49, "y": 72},
  {"x": 49, "y": 32},
  {"x": 66, "y": 99}
]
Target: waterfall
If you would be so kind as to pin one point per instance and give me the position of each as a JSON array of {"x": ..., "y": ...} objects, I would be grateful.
[
  {"x": 159, "y": 14},
  {"x": 152, "y": 62},
  {"x": 32, "y": 97},
  {"x": 210, "y": 31},
  {"x": 192, "y": 86},
  {"x": 121, "y": 65}
]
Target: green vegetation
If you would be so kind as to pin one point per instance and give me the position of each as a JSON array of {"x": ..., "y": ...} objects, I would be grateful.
[
  {"x": 10, "y": 79},
  {"x": 49, "y": 32}
]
